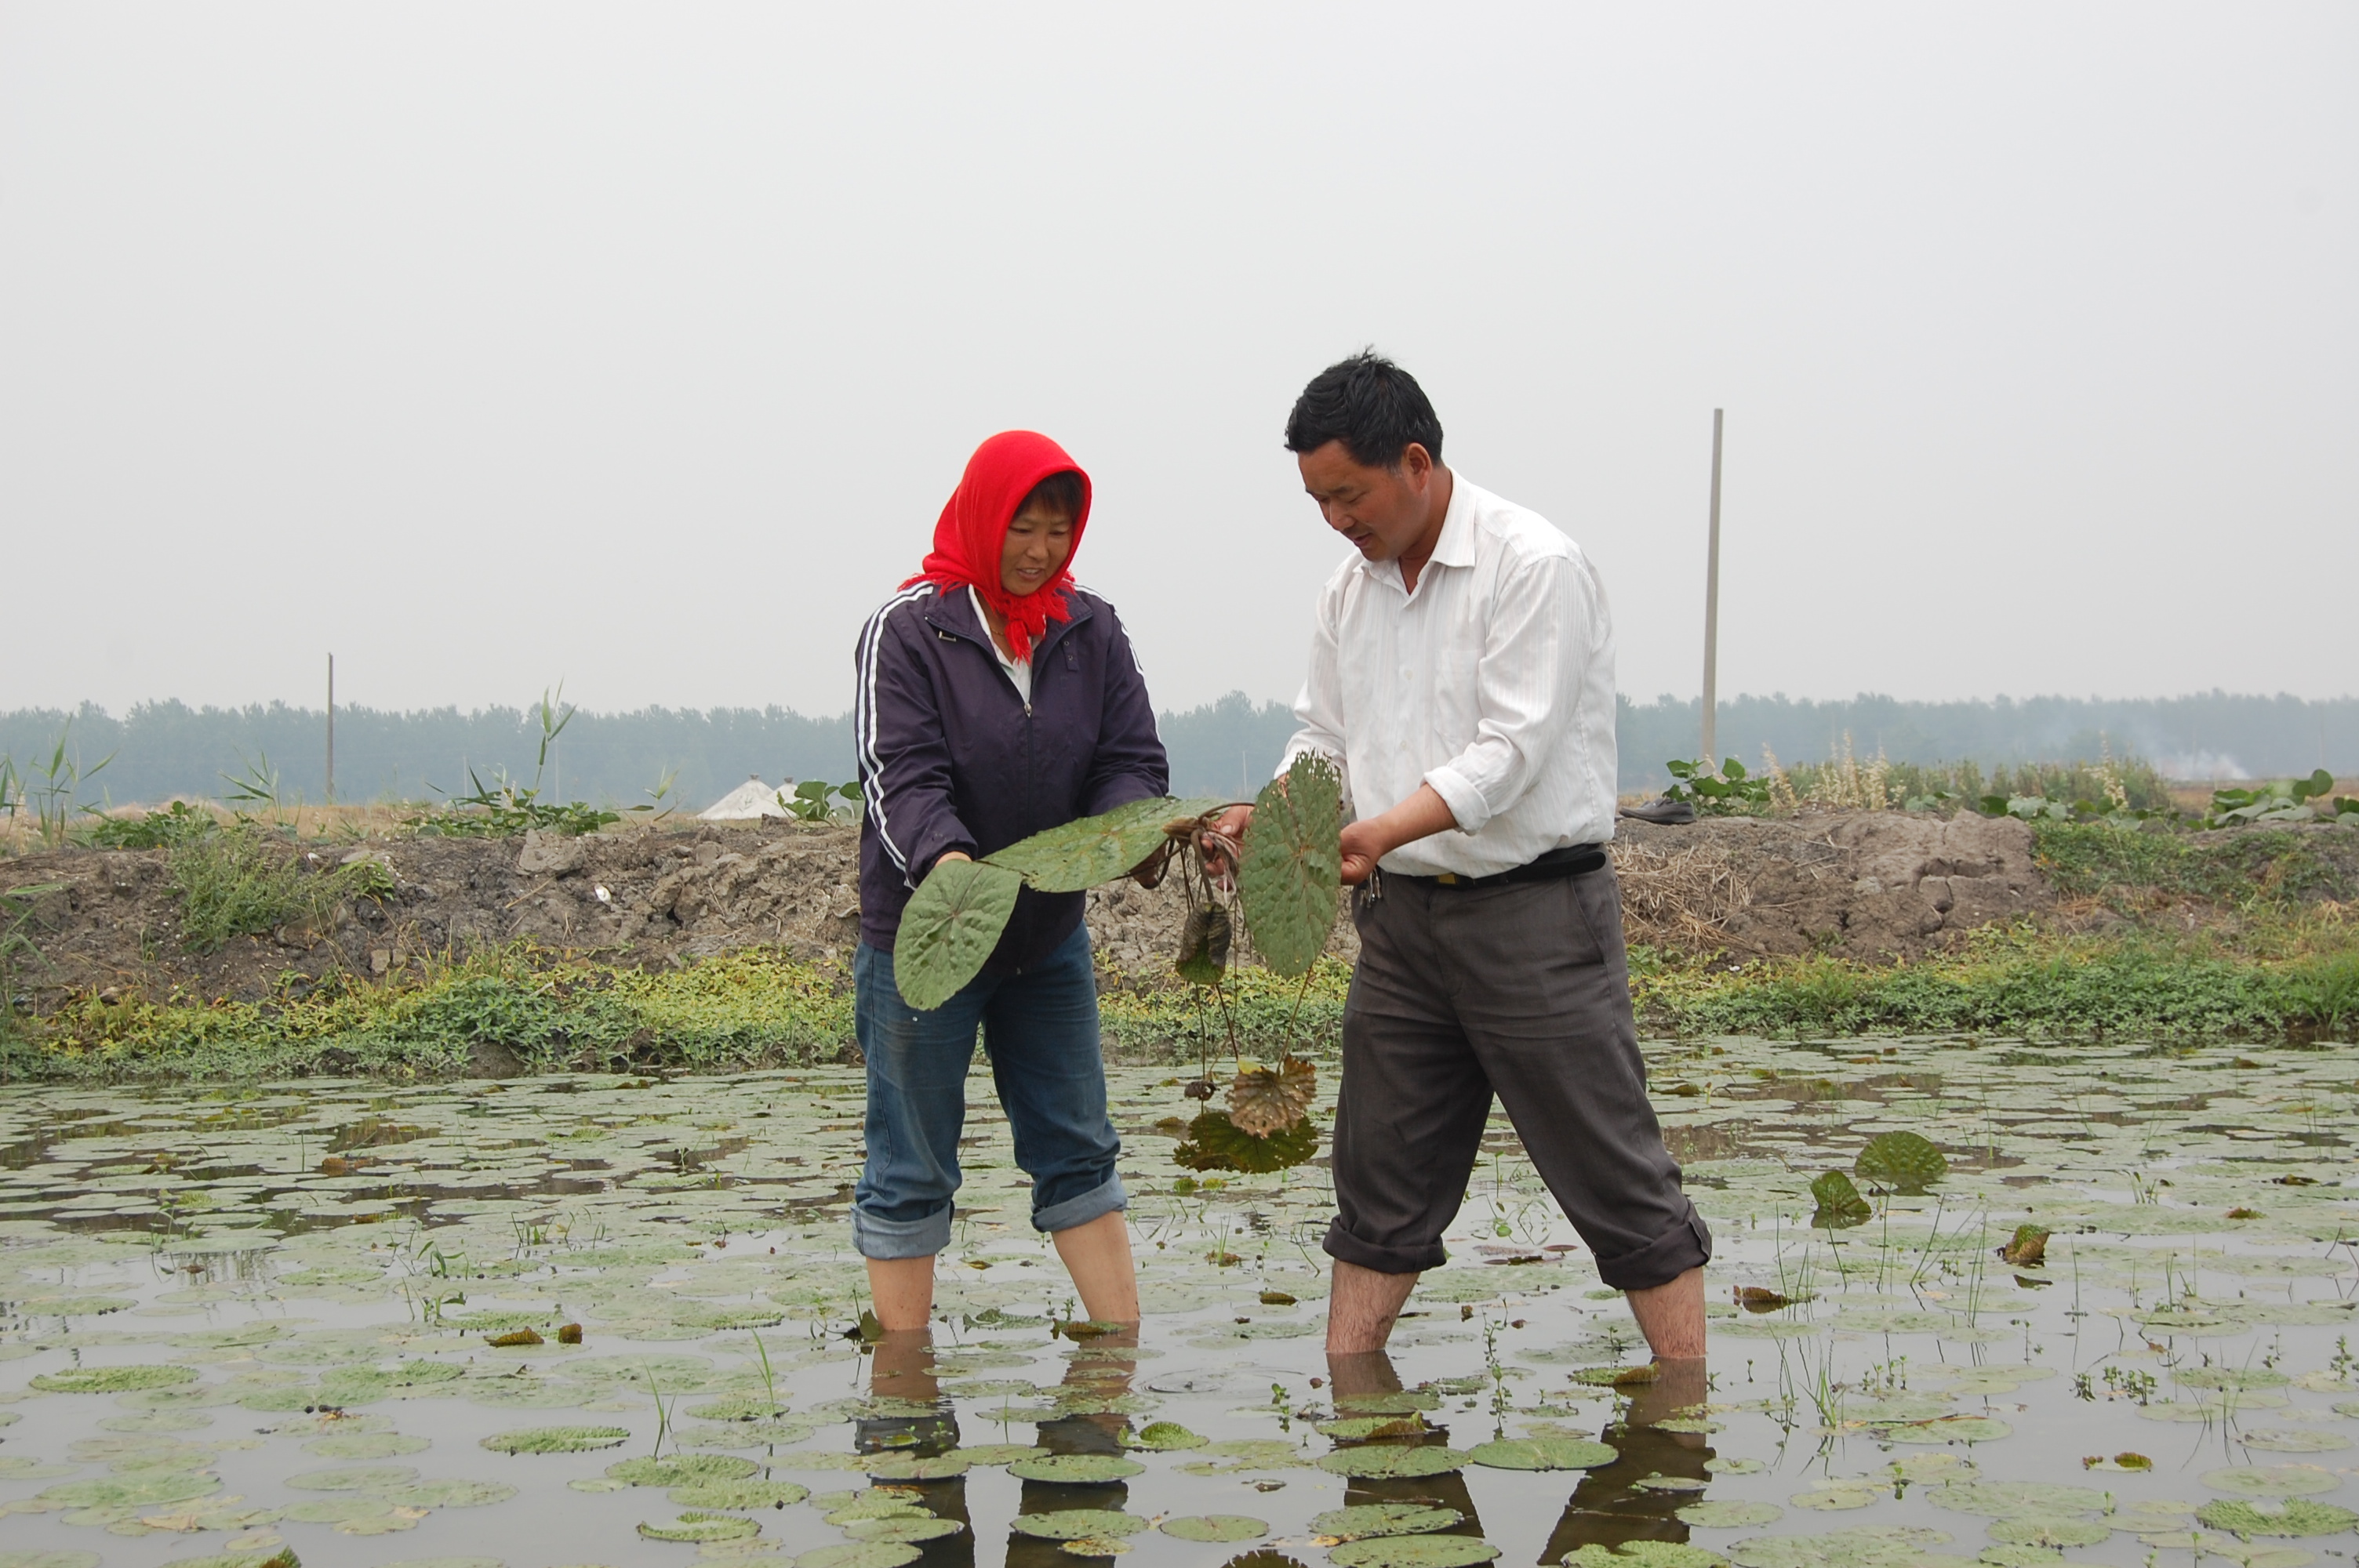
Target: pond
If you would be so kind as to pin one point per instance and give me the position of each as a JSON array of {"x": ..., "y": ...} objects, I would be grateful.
[{"x": 603, "y": 1320}]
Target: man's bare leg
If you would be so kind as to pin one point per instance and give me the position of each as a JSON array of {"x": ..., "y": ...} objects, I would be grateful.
[
  {"x": 1670, "y": 1315},
  {"x": 903, "y": 1291},
  {"x": 1363, "y": 1304},
  {"x": 1097, "y": 1255}
]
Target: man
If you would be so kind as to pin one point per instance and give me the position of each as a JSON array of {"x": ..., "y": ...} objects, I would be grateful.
[{"x": 1462, "y": 679}]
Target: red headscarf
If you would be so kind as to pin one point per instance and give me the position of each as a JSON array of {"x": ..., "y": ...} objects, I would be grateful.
[{"x": 974, "y": 531}]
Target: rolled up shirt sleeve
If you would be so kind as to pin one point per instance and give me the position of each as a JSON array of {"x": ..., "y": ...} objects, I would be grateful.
[{"x": 1530, "y": 674}]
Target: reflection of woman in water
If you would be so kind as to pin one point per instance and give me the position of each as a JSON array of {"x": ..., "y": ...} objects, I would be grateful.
[
  {"x": 1098, "y": 1372},
  {"x": 996, "y": 699}
]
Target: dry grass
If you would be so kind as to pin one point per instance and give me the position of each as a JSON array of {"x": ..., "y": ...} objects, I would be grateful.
[{"x": 1681, "y": 898}]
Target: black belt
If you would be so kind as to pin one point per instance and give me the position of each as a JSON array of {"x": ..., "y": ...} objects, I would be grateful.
[{"x": 1573, "y": 861}]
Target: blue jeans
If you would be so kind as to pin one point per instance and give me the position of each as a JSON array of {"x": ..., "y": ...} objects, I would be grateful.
[{"x": 1040, "y": 1030}]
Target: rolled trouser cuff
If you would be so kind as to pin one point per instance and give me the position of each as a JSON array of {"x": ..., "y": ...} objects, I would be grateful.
[
  {"x": 1106, "y": 1198},
  {"x": 1344, "y": 1246},
  {"x": 1685, "y": 1245},
  {"x": 887, "y": 1239}
]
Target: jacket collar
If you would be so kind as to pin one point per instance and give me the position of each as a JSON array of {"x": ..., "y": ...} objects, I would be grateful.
[{"x": 952, "y": 610}]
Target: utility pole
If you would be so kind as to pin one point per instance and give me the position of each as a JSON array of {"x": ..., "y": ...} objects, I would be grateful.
[
  {"x": 332, "y": 729},
  {"x": 1711, "y": 613}
]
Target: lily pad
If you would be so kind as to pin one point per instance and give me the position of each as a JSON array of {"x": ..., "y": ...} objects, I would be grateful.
[
  {"x": 1863, "y": 1546},
  {"x": 995, "y": 1453},
  {"x": 449, "y": 1493},
  {"x": 1413, "y": 1551},
  {"x": 859, "y": 1555},
  {"x": 1542, "y": 1453},
  {"x": 1167, "y": 1435},
  {"x": 918, "y": 1466},
  {"x": 556, "y": 1439},
  {"x": 681, "y": 1469},
  {"x": 752, "y": 1493},
  {"x": 1073, "y": 1524},
  {"x": 1392, "y": 1462},
  {"x": 2292, "y": 1517},
  {"x": 1221, "y": 1528},
  {"x": 352, "y": 1478},
  {"x": 2055, "y": 1530},
  {"x": 2294, "y": 1440},
  {"x": 908, "y": 1530},
  {"x": 1642, "y": 1554},
  {"x": 1730, "y": 1514},
  {"x": 1834, "y": 1500},
  {"x": 702, "y": 1527},
  {"x": 1998, "y": 1499},
  {"x": 1077, "y": 1470},
  {"x": 1368, "y": 1521},
  {"x": 2272, "y": 1480},
  {"x": 1948, "y": 1429},
  {"x": 112, "y": 1380}
]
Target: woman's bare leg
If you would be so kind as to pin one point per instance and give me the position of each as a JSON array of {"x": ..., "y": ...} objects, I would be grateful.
[{"x": 903, "y": 1291}]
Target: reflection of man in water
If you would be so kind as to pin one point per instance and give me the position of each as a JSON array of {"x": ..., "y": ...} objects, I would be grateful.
[
  {"x": 1608, "y": 1507},
  {"x": 903, "y": 1368}
]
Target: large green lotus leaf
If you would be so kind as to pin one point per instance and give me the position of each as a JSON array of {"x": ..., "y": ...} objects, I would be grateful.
[
  {"x": 1413, "y": 1551},
  {"x": 1292, "y": 867},
  {"x": 949, "y": 929},
  {"x": 1081, "y": 855},
  {"x": 1390, "y": 1462},
  {"x": 1369, "y": 1520},
  {"x": 1216, "y": 1529},
  {"x": 1543, "y": 1453},
  {"x": 352, "y": 1478},
  {"x": 1216, "y": 1143},
  {"x": 1077, "y": 1524},
  {"x": 2054, "y": 1531},
  {"x": 908, "y": 1529},
  {"x": 1839, "y": 1202},
  {"x": 2295, "y": 1516},
  {"x": 1904, "y": 1161}
]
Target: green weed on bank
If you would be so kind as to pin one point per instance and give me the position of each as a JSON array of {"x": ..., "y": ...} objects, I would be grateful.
[{"x": 757, "y": 1008}]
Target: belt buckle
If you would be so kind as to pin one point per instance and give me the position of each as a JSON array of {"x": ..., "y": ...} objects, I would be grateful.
[{"x": 1447, "y": 879}]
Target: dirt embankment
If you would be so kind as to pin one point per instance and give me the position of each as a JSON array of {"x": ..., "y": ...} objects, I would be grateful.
[{"x": 1869, "y": 886}]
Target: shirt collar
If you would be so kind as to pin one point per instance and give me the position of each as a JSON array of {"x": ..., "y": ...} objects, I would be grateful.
[{"x": 1456, "y": 546}]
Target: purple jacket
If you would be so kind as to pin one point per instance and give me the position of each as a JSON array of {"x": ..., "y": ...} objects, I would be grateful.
[{"x": 951, "y": 758}]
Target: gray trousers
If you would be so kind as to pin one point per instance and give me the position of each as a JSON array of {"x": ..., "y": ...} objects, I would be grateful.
[{"x": 1520, "y": 990}]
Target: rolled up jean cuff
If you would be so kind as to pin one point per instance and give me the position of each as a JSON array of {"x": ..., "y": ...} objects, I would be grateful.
[
  {"x": 1687, "y": 1245},
  {"x": 887, "y": 1239},
  {"x": 1106, "y": 1198}
]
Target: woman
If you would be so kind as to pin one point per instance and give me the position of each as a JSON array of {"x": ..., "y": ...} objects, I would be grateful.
[{"x": 996, "y": 699}]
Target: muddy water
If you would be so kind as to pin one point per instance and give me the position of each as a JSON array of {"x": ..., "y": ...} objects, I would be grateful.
[{"x": 235, "y": 1321}]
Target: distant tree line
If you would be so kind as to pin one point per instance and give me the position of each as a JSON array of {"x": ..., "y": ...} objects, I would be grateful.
[{"x": 163, "y": 749}]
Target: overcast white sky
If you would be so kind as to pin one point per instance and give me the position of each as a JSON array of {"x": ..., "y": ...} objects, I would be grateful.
[{"x": 485, "y": 344}]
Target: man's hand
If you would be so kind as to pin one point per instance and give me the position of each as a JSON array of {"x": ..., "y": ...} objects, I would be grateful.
[
  {"x": 953, "y": 855},
  {"x": 1370, "y": 839},
  {"x": 1232, "y": 827}
]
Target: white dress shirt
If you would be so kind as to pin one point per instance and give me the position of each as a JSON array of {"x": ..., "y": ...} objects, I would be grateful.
[{"x": 1493, "y": 682}]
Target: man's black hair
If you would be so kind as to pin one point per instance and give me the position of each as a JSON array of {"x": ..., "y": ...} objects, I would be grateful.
[
  {"x": 1372, "y": 406},
  {"x": 1060, "y": 492}
]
